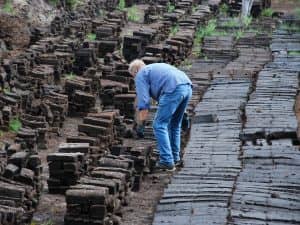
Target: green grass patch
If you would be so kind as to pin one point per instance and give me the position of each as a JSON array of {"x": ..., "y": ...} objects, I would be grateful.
[
  {"x": 70, "y": 76},
  {"x": 232, "y": 22},
  {"x": 72, "y": 3},
  {"x": 195, "y": 8},
  {"x": 290, "y": 27},
  {"x": 91, "y": 36},
  {"x": 224, "y": 9},
  {"x": 121, "y": 5},
  {"x": 208, "y": 30},
  {"x": 8, "y": 7},
  {"x": 294, "y": 53},
  {"x": 239, "y": 34},
  {"x": 297, "y": 12},
  {"x": 247, "y": 20},
  {"x": 174, "y": 30},
  {"x": 187, "y": 64},
  {"x": 170, "y": 7},
  {"x": 132, "y": 14},
  {"x": 14, "y": 125},
  {"x": 268, "y": 12}
]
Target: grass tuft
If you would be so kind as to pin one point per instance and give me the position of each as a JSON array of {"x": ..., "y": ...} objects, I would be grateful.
[
  {"x": 268, "y": 12},
  {"x": 170, "y": 7},
  {"x": 8, "y": 7},
  {"x": 224, "y": 9},
  {"x": 121, "y": 5},
  {"x": 14, "y": 125},
  {"x": 132, "y": 14},
  {"x": 91, "y": 37}
]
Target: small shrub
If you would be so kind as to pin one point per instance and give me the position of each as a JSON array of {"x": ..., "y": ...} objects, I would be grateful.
[
  {"x": 70, "y": 76},
  {"x": 294, "y": 53},
  {"x": 8, "y": 7},
  {"x": 224, "y": 9},
  {"x": 247, "y": 20},
  {"x": 72, "y": 3},
  {"x": 15, "y": 125},
  {"x": 132, "y": 14},
  {"x": 174, "y": 30},
  {"x": 170, "y": 7},
  {"x": 239, "y": 34},
  {"x": 232, "y": 22},
  {"x": 268, "y": 12},
  {"x": 297, "y": 12},
  {"x": 121, "y": 5},
  {"x": 91, "y": 37}
]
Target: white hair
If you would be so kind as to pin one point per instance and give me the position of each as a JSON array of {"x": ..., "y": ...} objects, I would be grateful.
[{"x": 135, "y": 66}]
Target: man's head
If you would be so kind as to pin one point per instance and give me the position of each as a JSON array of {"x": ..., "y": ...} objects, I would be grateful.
[{"x": 135, "y": 66}]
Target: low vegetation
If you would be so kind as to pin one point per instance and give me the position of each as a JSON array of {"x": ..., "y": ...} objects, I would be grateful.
[
  {"x": 121, "y": 5},
  {"x": 174, "y": 30},
  {"x": 8, "y": 7},
  {"x": 14, "y": 125},
  {"x": 132, "y": 14},
  {"x": 91, "y": 37},
  {"x": 170, "y": 7},
  {"x": 224, "y": 9},
  {"x": 268, "y": 12}
]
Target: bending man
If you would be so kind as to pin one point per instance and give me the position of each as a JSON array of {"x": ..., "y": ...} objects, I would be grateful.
[{"x": 172, "y": 89}]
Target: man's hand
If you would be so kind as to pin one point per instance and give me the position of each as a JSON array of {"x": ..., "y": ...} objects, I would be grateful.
[
  {"x": 140, "y": 129},
  {"x": 142, "y": 115}
]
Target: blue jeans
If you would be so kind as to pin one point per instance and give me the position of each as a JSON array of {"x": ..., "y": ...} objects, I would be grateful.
[{"x": 167, "y": 122}]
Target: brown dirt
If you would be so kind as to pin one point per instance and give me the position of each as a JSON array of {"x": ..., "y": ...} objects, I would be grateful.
[
  {"x": 285, "y": 6},
  {"x": 53, "y": 207}
]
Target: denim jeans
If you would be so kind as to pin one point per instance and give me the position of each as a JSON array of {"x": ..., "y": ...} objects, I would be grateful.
[{"x": 167, "y": 122}]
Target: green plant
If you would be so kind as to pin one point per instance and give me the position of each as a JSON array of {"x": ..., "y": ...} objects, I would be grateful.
[
  {"x": 91, "y": 37},
  {"x": 297, "y": 12},
  {"x": 14, "y": 125},
  {"x": 170, "y": 7},
  {"x": 132, "y": 14},
  {"x": 195, "y": 8},
  {"x": 208, "y": 30},
  {"x": 294, "y": 53},
  {"x": 246, "y": 21},
  {"x": 121, "y": 5},
  {"x": 54, "y": 2},
  {"x": 239, "y": 34},
  {"x": 72, "y": 3},
  {"x": 268, "y": 12},
  {"x": 8, "y": 7},
  {"x": 290, "y": 27},
  {"x": 232, "y": 22},
  {"x": 48, "y": 222},
  {"x": 187, "y": 64},
  {"x": 174, "y": 29},
  {"x": 224, "y": 9},
  {"x": 70, "y": 76}
]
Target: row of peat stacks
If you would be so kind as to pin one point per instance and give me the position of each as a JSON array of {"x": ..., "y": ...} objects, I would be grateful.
[{"x": 30, "y": 88}]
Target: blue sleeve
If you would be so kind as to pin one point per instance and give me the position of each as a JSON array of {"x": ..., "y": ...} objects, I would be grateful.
[{"x": 143, "y": 91}]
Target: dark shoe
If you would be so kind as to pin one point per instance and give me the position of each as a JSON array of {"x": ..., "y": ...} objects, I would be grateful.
[
  {"x": 179, "y": 163},
  {"x": 164, "y": 167}
]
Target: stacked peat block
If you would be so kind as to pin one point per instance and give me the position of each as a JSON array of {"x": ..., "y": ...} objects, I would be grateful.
[
  {"x": 81, "y": 100},
  {"x": 270, "y": 110},
  {"x": 142, "y": 155},
  {"x": 15, "y": 203},
  {"x": 97, "y": 199},
  {"x": 257, "y": 7},
  {"x": 126, "y": 104},
  {"x": 54, "y": 107},
  {"x": 108, "y": 32},
  {"x": 25, "y": 168},
  {"x": 64, "y": 170},
  {"x": 20, "y": 187},
  {"x": 248, "y": 63},
  {"x": 40, "y": 125},
  {"x": 219, "y": 47},
  {"x": 136, "y": 46},
  {"x": 109, "y": 89}
]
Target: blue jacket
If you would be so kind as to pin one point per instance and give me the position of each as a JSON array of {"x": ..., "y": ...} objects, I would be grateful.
[{"x": 156, "y": 79}]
